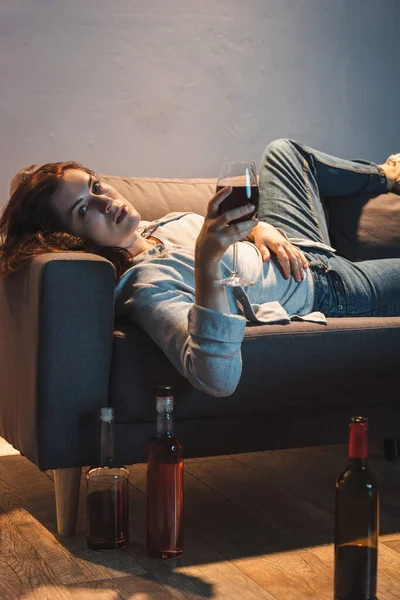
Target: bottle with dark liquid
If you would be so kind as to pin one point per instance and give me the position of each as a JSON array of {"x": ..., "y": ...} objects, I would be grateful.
[
  {"x": 356, "y": 522},
  {"x": 164, "y": 483},
  {"x": 107, "y": 494}
]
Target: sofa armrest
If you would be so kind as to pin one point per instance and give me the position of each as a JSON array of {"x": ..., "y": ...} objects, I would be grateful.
[{"x": 56, "y": 339}]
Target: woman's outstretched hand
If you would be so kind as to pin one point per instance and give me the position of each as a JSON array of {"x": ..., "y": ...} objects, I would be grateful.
[
  {"x": 289, "y": 258},
  {"x": 218, "y": 233}
]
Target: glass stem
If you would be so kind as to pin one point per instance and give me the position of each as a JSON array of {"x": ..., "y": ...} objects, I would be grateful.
[{"x": 235, "y": 257}]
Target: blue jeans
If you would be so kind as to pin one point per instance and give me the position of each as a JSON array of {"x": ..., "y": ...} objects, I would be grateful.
[{"x": 294, "y": 180}]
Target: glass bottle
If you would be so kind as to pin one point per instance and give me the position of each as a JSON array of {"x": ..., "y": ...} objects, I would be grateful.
[
  {"x": 164, "y": 483},
  {"x": 107, "y": 494},
  {"x": 356, "y": 522}
]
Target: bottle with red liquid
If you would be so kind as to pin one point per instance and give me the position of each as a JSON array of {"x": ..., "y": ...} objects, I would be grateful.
[
  {"x": 356, "y": 522},
  {"x": 107, "y": 525},
  {"x": 164, "y": 483}
]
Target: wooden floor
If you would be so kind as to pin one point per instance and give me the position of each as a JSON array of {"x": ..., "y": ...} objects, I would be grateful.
[{"x": 257, "y": 526}]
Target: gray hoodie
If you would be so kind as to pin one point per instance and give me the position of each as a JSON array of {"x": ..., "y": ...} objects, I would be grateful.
[{"x": 158, "y": 294}]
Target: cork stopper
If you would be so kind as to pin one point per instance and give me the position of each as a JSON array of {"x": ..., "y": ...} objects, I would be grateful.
[{"x": 107, "y": 414}]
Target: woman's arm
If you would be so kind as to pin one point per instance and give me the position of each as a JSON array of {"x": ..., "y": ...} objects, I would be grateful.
[
  {"x": 215, "y": 237},
  {"x": 204, "y": 345}
]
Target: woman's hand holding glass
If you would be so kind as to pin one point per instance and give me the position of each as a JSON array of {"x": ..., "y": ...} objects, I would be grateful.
[
  {"x": 241, "y": 177},
  {"x": 219, "y": 233}
]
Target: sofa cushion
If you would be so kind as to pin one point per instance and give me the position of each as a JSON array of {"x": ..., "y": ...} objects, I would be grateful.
[
  {"x": 284, "y": 366},
  {"x": 365, "y": 227}
]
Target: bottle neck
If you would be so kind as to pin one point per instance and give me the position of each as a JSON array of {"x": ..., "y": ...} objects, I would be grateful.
[
  {"x": 164, "y": 422},
  {"x": 107, "y": 443},
  {"x": 357, "y": 464},
  {"x": 358, "y": 446}
]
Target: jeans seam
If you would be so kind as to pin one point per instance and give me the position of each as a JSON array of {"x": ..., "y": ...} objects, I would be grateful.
[
  {"x": 317, "y": 223},
  {"x": 377, "y": 310},
  {"x": 346, "y": 292},
  {"x": 353, "y": 170}
]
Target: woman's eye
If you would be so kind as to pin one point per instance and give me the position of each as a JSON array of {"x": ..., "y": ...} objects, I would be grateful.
[
  {"x": 82, "y": 211},
  {"x": 96, "y": 186}
]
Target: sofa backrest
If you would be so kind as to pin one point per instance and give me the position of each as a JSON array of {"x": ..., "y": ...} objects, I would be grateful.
[
  {"x": 154, "y": 197},
  {"x": 361, "y": 228},
  {"x": 365, "y": 227}
]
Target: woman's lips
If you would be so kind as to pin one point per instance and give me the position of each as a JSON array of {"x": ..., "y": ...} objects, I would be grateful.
[{"x": 123, "y": 211}]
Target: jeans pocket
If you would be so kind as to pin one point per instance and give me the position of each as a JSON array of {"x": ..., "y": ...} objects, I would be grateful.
[{"x": 339, "y": 299}]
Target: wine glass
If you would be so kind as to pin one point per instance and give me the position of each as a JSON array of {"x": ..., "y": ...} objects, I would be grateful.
[{"x": 242, "y": 177}]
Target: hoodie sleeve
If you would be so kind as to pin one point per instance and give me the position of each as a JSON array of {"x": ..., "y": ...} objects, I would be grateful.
[{"x": 203, "y": 345}]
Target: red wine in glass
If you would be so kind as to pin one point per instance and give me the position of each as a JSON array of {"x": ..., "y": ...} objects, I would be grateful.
[
  {"x": 240, "y": 196},
  {"x": 242, "y": 177}
]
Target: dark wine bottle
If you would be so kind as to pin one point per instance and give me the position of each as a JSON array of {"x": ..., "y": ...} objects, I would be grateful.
[
  {"x": 356, "y": 522},
  {"x": 164, "y": 483},
  {"x": 107, "y": 525}
]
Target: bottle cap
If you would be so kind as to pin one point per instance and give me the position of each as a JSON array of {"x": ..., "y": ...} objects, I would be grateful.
[
  {"x": 164, "y": 390},
  {"x": 164, "y": 398},
  {"x": 359, "y": 424},
  {"x": 107, "y": 414}
]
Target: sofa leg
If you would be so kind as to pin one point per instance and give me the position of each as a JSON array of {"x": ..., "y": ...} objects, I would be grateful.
[
  {"x": 66, "y": 487},
  {"x": 391, "y": 448}
]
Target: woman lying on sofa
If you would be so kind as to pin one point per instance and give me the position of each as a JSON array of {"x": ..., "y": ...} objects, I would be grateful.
[{"x": 168, "y": 269}]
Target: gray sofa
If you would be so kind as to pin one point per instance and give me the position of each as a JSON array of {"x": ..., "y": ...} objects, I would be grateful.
[{"x": 62, "y": 357}]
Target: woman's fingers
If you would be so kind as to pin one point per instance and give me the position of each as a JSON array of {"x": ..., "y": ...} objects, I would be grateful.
[
  {"x": 226, "y": 236},
  {"x": 303, "y": 259},
  {"x": 292, "y": 262},
  {"x": 230, "y": 215},
  {"x": 265, "y": 253},
  {"x": 238, "y": 231},
  {"x": 241, "y": 212},
  {"x": 216, "y": 200}
]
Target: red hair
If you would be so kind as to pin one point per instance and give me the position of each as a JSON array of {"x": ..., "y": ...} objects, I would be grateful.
[{"x": 29, "y": 225}]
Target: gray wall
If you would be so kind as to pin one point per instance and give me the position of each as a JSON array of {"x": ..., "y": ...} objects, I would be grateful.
[{"x": 170, "y": 88}]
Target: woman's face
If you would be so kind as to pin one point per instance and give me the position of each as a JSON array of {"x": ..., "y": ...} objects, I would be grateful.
[{"x": 94, "y": 210}]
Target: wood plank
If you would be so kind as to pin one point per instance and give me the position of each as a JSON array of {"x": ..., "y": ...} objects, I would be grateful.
[
  {"x": 212, "y": 515},
  {"x": 32, "y": 577},
  {"x": 256, "y": 526},
  {"x": 315, "y": 483},
  {"x": 312, "y": 475},
  {"x": 10, "y": 584},
  {"x": 70, "y": 558},
  {"x": 330, "y": 460},
  {"x": 189, "y": 582},
  {"x": 122, "y": 588},
  {"x": 293, "y": 515},
  {"x": 393, "y": 544},
  {"x": 242, "y": 539},
  {"x": 293, "y": 473},
  {"x": 294, "y": 518},
  {"x": 201, "y": 572}
]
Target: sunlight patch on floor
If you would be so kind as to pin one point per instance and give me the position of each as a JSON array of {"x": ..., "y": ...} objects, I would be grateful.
[{"x": 6, "y": 449}]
